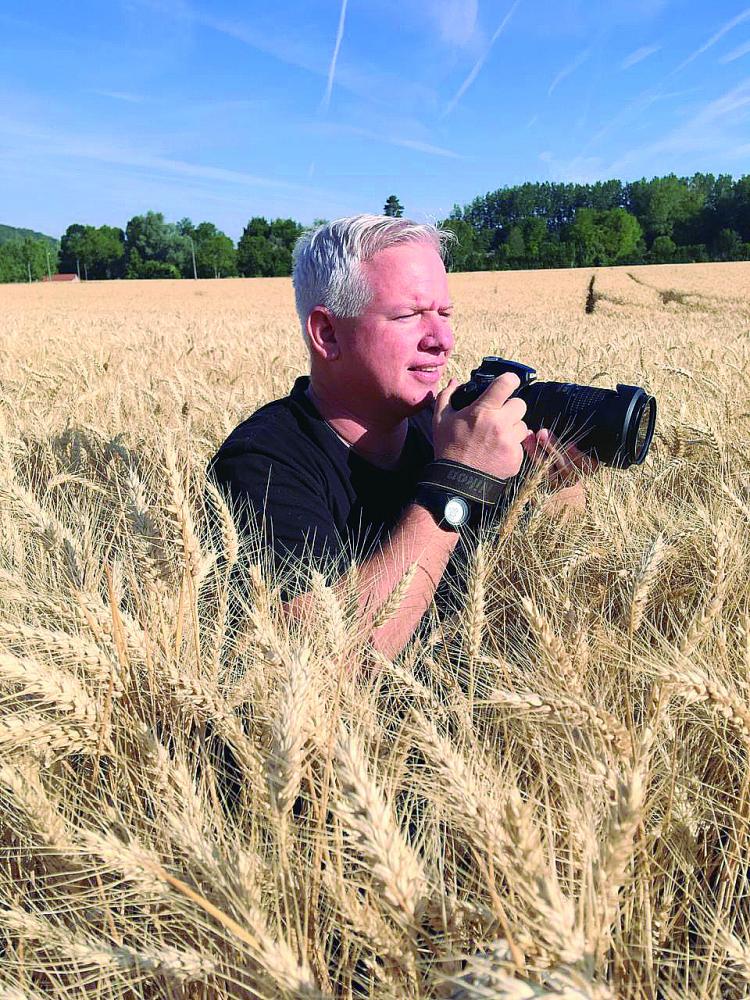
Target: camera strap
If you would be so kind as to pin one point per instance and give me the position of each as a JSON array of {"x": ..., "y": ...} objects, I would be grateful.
[{"x": 464, "y": 481}]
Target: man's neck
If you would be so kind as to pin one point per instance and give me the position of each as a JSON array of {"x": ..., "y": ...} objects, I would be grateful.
[{"x": 377, "y": 441}]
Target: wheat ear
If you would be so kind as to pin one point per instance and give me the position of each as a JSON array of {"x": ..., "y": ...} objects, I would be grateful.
[
  {"x": 551, "y": 644},
  {"x": 73, "y": 649},
  {"x": 391, "y": 605},
  {"x": 644, "y": 582},
  {"x": 617, "y": 848},
  {"x": 181, "y": 965},
  {"x": 195, "y": 562},
  {"x": 290, "y": 730},
  {"x": 53, "y": 688},
  {"x": 43, "y": 820},
  {"x": 717, "y": 574},
  {"x": 369, "y": 821},
  {"x": 331, "y": 612},
  {"x": 574, "y": 711},
  {"x": 150, "y": 545}
]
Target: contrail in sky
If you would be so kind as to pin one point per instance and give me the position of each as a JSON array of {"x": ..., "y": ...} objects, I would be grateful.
[
  {"x": 324, "y": 104},
  {"x": 480, "y": 62},
  {"x": 728, "y": 26},
  {"x": 567, "y": 70}
]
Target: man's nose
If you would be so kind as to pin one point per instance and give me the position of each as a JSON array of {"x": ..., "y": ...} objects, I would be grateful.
[{"x": 438, "y": 335}]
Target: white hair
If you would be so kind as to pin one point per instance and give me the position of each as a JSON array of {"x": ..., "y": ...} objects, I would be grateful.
[{"x": 328, "y": 260}]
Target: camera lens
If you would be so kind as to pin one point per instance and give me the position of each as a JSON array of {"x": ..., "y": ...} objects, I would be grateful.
[{"x": 644, "y": 429}]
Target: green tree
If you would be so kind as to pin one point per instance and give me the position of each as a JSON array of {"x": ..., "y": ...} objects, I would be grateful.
[
  {"x": 265, "y": 248},
  {"x": 215, "y": 255},
  {"x": 23, "y": 260},
  {"x": 254, "y": 249},
  {"x": 663, "y": 203},
  {"x": 662, "y": 250},
  {"x": 72, "y": 249},
  {"x": 158, "y": 269},
  {"x": 93, "y": 252},
  {"x": 601, "y": 238},
  {"x": 461, "y": 251},
  {"x": 515, "y": 247},
  {"x": 393, "y": 207},
  {"x": 154, "y": 239},
  {"x": 729, "y": 245}
]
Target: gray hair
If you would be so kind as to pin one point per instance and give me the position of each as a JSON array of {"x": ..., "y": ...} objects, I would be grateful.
[{"x": 328, "y": 260}]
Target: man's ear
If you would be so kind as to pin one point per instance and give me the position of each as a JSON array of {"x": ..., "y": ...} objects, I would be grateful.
[{"x": 321, "y": 333}]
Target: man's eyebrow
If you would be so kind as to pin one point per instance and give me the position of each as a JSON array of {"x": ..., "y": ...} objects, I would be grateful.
[{"x": 417, "y": 305}]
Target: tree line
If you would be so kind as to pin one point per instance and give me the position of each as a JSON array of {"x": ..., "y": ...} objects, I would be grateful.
[
  {"x": 535, "y": 225},
  {"x": 662, "y": 221}
]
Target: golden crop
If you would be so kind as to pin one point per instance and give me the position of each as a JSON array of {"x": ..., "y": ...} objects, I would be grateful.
[{"x": 548, "y": 796}]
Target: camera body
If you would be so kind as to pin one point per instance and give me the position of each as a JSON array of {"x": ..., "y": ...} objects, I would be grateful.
[{"x": 615, "y": 426}]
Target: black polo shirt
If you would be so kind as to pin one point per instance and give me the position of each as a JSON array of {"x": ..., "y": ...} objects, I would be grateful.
[{"x": 305, "y": 493}]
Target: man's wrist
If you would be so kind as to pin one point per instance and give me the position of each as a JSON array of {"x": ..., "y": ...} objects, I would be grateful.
[{"x": 458, "y": 495}]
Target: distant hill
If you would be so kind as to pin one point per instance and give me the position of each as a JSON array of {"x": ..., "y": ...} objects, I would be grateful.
[{"x": 8, "y": 233}]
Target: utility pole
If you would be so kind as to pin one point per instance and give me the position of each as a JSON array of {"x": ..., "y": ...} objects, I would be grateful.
[
  {"x": 49, "y": 272},
  {"x": 78, "y": 268},
  {"x": 28, "y": 265},
  {"x": 192, "y": 251}
]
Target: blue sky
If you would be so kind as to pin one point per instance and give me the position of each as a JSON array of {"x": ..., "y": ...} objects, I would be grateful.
[{"x": 221, "y": 110}]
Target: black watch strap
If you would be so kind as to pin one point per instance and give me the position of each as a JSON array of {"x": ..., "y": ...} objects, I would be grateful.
[{"x": 464, "y": 481}]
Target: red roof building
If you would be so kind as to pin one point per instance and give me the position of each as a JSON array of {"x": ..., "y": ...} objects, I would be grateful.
[{"x": 61, "y": 277}]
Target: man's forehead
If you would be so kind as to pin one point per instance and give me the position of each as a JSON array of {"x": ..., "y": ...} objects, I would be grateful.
[{"x": 414, "y": 268}]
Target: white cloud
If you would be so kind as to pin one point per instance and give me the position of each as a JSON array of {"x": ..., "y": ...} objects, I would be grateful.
[
  {"x": 717, "y": 128},
  {"x": 639, "y": 55},
  {"x": 335, "y": 128},
  {"x": 121, "y": 95},
  {"x": 303, "y": 52},
  {"x": 456, "y": 19},
  {"x": 566, "y": 71},
  {"x": 741, "y": 50},
  {"x": 578, "y": 170},
  {"x": 53, "y": 143},
  {"x": 476, "y": 69}
]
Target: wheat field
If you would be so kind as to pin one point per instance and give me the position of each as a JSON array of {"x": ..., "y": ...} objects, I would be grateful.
[{"x": 546, "y": 794}]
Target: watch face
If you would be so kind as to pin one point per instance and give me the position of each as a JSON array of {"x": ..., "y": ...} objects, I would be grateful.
[{"x": 456, "y": 511}]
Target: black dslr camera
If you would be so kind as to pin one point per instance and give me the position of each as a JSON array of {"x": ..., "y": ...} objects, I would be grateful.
[{"x": 614, "y": 426}]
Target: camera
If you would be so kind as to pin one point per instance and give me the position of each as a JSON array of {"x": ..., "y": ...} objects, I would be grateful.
[{"x": 615, "y": 426}]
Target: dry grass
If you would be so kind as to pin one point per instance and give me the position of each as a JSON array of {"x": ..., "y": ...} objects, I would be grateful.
[{"x": 547, "y": 797}]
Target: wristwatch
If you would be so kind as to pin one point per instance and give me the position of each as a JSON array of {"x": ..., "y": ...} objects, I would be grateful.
[
  {"x": 450, "y": 512},
  {"x": 457, "y": 495}
]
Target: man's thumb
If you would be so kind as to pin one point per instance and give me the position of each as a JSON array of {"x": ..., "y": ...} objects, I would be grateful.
[{"x": 444, "y": 398}]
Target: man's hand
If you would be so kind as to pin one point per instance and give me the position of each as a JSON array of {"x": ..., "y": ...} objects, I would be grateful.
[
  {"x": 488, "y": 434},
  {"x": 568, "y": 467}
]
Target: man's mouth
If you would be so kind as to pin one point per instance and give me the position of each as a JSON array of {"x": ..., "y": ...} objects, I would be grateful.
[{"x": 429, "y": 374}]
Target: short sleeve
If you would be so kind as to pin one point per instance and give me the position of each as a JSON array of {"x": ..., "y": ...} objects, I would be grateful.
[{"x": 283, "y": 505}]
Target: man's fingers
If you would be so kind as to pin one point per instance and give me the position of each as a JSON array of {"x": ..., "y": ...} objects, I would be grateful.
[{"x": 502, "y": 389}]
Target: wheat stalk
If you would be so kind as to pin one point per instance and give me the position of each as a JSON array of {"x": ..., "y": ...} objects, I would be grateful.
[{"x": 369, "y": 821}]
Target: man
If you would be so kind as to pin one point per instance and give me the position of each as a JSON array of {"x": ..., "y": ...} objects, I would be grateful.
[{"x": 364, "y": 454}]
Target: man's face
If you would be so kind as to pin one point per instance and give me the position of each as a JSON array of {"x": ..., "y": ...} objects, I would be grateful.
[{"x": 392, "y": 355}]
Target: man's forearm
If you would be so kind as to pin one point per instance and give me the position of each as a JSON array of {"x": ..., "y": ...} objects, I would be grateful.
[{"x": 415, "y": 539}]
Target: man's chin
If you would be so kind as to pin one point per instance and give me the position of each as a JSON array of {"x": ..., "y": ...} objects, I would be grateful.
[{"x": 427, "y": 400}]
